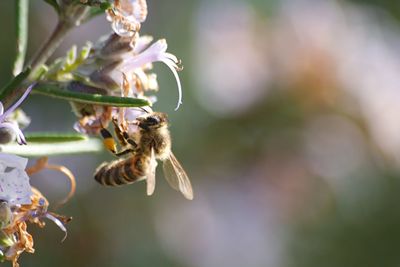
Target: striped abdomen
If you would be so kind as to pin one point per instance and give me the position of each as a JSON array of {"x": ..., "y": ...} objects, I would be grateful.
[{"x": 123, "y": 171}]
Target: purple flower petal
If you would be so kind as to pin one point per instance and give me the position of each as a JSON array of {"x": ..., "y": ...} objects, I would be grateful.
[
  {"x": 14, "y": 181},
  {"x": 16, "y": 104},
  {"x": 14, "y": 127},
  {"x": 156, "y": 52},
  {"x": 58, "y": 223},
  {"x": 142, "y": 43},
  {"x": 14, "y": 161}
]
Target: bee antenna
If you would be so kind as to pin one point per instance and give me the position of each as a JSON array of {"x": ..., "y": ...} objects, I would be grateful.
[{"x": 144, "y": 110}]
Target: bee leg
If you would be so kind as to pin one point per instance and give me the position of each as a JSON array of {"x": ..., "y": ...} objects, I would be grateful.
[
  {"x": 118, "y": 132},
  {"x": 124, "y": 152},
  {"x": 109, "y": 143},
  {"x": 129, "y": 140},
  {"x": 123, "y": 135},
  {"x": 108, "y": 140}
]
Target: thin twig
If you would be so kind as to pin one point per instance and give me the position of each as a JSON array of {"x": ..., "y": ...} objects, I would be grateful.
[
  {"x": 71, "y": 17},
  {"x": 50, "y": 45},
  {"x": 22, "y": 34}
]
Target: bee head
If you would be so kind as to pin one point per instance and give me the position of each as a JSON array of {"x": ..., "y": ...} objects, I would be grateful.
[{"x": 153, "y": 120}]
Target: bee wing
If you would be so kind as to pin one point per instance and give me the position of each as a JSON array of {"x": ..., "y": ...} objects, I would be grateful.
[
  {"x": 177, "y": 177},
  {"x": 151, "y": 175}
]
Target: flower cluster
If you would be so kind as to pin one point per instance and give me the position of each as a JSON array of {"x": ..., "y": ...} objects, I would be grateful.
[
  {"x": 9, "y": 126},
  {"x": 20, "y": 204},
  {"x": 119, "y": 64},
  {"x": 116, "y": 58}
]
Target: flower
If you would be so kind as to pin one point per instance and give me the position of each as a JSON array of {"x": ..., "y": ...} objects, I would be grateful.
[
  {"x": 13, "y": 126},
  {"x": 94, "y": 122},
  {"x": 116, "y": 58},
  {"x": 14, "y": 238},
  {"x": 129, "y": 116},
  {"x": 155, "y": 53},
  {"x": 14, "y": 181},
  {"x": 126, "y": 16},
  {"x": 18, "y": 241},
  {"x": 21, "y": 204},
  {"x": 134, "y": 64}
]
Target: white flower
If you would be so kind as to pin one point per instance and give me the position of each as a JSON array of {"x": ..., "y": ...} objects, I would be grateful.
[
  {"x": 126, "y": 16},
  {"x": 13, "y": 126},
  {"x": 117, "y": 62},
  {"x": 130, "y": 115},
  {"x": 141, "y": 43},
  {"x": 155, "y": 53},
  {"x": 14, "y": 181},
  {"x": 135, "y": 63},
  {"x": 133, "y": 9}
]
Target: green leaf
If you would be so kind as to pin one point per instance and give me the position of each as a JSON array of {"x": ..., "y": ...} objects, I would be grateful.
[
  {"x": 103, "y": 4},
  {"x": 46, "y": 149},
  {"x": 97, "y": 99},
  {"x": 98, "y": 7},
  {"x": 39, "y": 72},
  {"x": 5, "y": 240},
  {"x": 71, "y": 55},
  {"x": 95, "y": 11},
  {"x": 17, "y": 81},
  {"x": 54, "y": 4},
  {"x": 85, "y": 51},
  {"x": 41, "y": 137},
  {"x": 106, "y": 5}
]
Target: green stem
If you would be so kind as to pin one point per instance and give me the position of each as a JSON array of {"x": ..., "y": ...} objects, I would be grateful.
[
  {"x": 22, "y": 34},
  {"x": 50, "y": 45},
  {"x": 38, "y": 149},
  {"x": 7, "y": 94},
  {"x": 52, "y": 137},
  {"x": 71, "y": 17}
]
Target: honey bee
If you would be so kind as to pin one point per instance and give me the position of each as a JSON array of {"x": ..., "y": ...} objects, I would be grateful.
[{"x": 151, "y": 142}]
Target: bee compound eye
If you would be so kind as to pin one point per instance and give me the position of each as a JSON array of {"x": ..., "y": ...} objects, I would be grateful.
[{"x": 153, "y": 120}]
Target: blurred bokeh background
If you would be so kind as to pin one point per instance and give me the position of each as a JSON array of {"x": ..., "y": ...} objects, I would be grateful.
[{"x": 290, "y": 132}]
